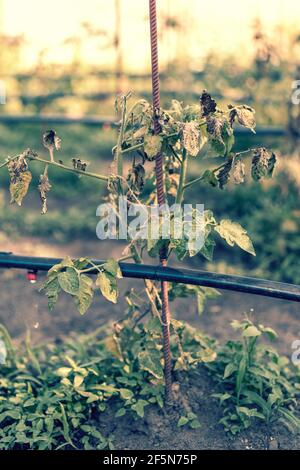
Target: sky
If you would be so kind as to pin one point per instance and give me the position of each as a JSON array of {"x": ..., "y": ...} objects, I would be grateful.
[{"x": 221, "y": 25}]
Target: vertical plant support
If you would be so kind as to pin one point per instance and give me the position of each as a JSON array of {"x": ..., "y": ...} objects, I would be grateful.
[
  {"x": 161, "y": 197},
  {"x": 118, "y": 49}
]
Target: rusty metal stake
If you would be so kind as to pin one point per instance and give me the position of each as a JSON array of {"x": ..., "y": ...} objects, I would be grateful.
[{"x": 166, "y": 316}]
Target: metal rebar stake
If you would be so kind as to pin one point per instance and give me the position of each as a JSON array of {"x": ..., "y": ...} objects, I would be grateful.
[{"x": 161, "y": 199}]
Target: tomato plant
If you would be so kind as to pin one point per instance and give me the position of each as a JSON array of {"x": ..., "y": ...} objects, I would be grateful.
[{"x": 186, "y": 133}]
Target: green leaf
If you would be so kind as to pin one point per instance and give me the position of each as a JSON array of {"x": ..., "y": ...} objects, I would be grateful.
[
  {"x": 69, "y": 281},
  {"x": 150, "y": 362},
  {"x": 269, "y": 332},
  {"x": 85, "y": 294},
  {"x": 78, "y": 380},
  {"x": 126, "y": 394},
  {"x": 234, "y": 234},
  {"x": 208, "y": 249},
  {"x": 63, "y": 371},
  {"x": 139, "y": 406},
  {"x": 120, "y": 412},
  {"x": 13, "y": 414},
  {"x": 229, "y": 370},
  {"x": 66, "y": 427},
  {"x": 253, "y": 397},
  {"x": 108, "y": 286},
  {"x": 112, "y": 267},
  {"x": 182, "y": 421},
  {"x": 251, "y": 331},
  {"x": 52, "y": 289},
  {"x": 195, "y": 424},
  {"x": 240, "y": 375}
]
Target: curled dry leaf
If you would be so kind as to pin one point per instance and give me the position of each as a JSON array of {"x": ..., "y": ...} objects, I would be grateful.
[
  {"x": 136, "y": 178},
  {"x": 220, "y": 135},
  {"x": 20, "y": 178},
  {"x": 51, "y": 140},
  {"x": 43, "y": 187},
  {"x": 238, "y": 172},
  {"x": 224, "y": 173},
  {"x": 263, "y": 163},
  {"x": 214, "y": 125},
  {"x": 244, "y": 114},
  {"x": 208, "y": 105},
  {"x": 79, "y": 164}
]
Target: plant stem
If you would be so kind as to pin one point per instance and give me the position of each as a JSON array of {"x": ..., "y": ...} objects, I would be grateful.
[
  {"x": 119, "y": 156},
  {"x": 182, "y": 177}
]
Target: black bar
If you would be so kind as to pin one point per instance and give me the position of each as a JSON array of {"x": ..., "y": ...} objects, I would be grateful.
[{"x": 248, "y": 285}]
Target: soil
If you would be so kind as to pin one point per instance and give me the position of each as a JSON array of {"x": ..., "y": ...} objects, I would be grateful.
[{"x": 22, "y": 307}]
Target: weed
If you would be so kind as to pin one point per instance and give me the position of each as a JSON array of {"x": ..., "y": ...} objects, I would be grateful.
[{"x": 256, "y": 383}]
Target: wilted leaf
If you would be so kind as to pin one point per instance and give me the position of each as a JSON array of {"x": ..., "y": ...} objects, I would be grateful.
[
  {"x": 244, "y": 115},
  {"x": 224, "y": 173},
  {"x": 152, "y": 146},
  {"x": 176, "y": 109},
  {"x": 108, "y": 286},
  {"x": 235, "y": 234},
  {"x": 140, "y": 132},
  {"x": 85, "y": 294},
  {"x": 79, "y": 164},
  {"x": 43, "y": 187},
  {"x": 210, "y": 178},
  {"x": 51, "y": 140},
  {"x": 19, "y": 187},
  {"x": 136, "y": 178},
  {"x": 208, "y": 105},
  {"x": 191, "y": 138},
  {"x": 238, "y": 172},
  {"x": 263, "y": 164},
  {"x": 220, "y": 135}
]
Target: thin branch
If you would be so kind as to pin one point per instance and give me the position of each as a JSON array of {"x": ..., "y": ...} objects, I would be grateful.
[{"x": 59, "y": 165}]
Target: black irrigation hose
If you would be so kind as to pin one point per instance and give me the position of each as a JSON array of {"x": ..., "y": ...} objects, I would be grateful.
[
  {"x": 248, "y": 285},
  {"x": 100, "y": 121}
]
